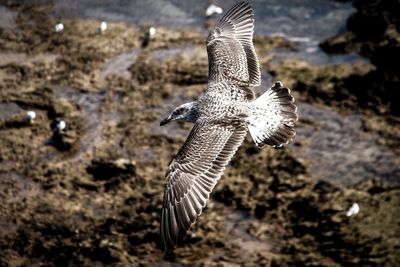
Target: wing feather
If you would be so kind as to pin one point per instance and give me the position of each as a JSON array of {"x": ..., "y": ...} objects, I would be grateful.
[
  {"x": 188, "y": 190},
  {"x": 230, "y": 49}
]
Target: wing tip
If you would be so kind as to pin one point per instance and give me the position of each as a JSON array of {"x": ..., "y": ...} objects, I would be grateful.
[
  {"x": 178, "y": 217},
  {"x": 240, "y": 15}
]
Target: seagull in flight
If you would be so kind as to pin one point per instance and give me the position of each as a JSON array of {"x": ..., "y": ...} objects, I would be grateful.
[{"x": 222, "y": 116}]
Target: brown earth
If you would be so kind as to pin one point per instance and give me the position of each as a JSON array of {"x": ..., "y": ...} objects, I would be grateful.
[{"x": 90, "y": 195}]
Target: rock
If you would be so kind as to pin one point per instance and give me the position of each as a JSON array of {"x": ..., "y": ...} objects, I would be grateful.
[
  {"x": 105, "y": 170},
  {"x": 373, "y": 32},
  {"x": 85, "y": 202}
]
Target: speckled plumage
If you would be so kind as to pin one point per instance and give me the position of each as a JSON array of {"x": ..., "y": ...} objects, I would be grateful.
[{"x": 221, "y": 117}]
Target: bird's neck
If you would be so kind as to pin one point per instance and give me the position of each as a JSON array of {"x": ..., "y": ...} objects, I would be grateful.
[{"x": 194, "y": 113}]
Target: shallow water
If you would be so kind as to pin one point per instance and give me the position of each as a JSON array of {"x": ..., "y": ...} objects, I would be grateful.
[
  {"x": 237, "y": 224},
  {"x": 21, "y": 58},
  {"x": 313, "y": 19},
  {"x": 312, "y": 53},
  {"x": 7, "y": 110},
  {"x": 120, "y": 64},
  {"x": 305, "y": 22},
  {"x": 338, "y": 150},
  {"x": 7, "y": 18},
  {"x": 89, "y": 104}
]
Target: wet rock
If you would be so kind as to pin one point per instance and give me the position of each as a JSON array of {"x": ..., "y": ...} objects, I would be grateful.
[
  {"x": 85, "y": 203},
  {"x": 352, "y": 87},
  {"x": 64, "y": 141},
  {"x": 373, "y": 32},
  {"x": 16, "y": 121},
  {"x": 105, "y": 170},
  {"x": 184, "y": 69}
]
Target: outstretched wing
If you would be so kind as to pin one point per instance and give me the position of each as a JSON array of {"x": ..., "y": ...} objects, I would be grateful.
[
  {"x": 231, "y": 54},
  {"x": 194, "y": 172}
]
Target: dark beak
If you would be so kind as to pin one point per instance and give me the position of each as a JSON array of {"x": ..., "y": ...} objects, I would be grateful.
[{"x": 165, "y": 121}]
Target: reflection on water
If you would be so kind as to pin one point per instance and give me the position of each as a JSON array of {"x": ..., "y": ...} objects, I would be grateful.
[{"x": 338, "y": 150}]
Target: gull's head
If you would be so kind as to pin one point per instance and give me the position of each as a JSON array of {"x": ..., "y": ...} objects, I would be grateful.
[{"x": 185, "y": 112}]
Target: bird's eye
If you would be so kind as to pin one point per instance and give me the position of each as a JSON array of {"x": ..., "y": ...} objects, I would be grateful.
[{"x": 179, "y": 111}]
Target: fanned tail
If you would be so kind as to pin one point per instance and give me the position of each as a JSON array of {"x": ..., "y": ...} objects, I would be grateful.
[{"x": 273, "y": 118}]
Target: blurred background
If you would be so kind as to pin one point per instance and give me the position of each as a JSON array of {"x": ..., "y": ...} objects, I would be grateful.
[{"x": 84, "y": 85}]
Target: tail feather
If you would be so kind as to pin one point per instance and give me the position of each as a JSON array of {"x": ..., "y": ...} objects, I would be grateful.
[{"x": 273, "y": 118}]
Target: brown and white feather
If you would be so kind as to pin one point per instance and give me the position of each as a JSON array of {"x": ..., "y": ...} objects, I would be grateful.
[
  {"x": 231, "y": 54},
  {"x": 194, "y": 172},
  {"x": 222, "y": 116}
]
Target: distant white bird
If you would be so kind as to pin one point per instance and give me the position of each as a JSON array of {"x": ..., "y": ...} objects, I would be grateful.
[
  {"x": 61, "y": 126},
  {"x": 103, "y": 26},
  {"x": 59, "y": 27},
  {"x": 222, "y": 116},
  {"x": 311, "y": 49},
  {"x": 30, "y": 115},
  {"x": 354, "y": 209},
  {"x": 152, "y": 32},
  {"x": 213, "y": 9}
]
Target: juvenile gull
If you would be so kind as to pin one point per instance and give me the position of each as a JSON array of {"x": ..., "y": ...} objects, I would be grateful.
[{"x": 221, "y": 117}]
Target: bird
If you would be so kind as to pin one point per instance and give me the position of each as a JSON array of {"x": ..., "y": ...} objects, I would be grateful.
[
  {"x": 103, "y": 27},
  {"x": 60, "y": 126},
  {"x": 59, "y": 27},
  {"x": 213, "y": 9},
  {"x": 152, "y": 32},
  {"x": 30, "y": 116},
  {"x": 353, "y": 210},
  {"x": 222, "y": 116}
]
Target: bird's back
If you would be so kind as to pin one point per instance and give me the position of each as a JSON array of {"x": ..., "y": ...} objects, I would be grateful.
[{"x": 224, "y": 99}]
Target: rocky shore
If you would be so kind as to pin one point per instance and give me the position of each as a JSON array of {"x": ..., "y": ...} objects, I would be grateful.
[{"x": 91, "y": 194}]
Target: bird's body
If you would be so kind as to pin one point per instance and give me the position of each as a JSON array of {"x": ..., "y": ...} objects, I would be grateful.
[
  {"x": 222, "y": 116},
  {"x": 220, "y": 102}
]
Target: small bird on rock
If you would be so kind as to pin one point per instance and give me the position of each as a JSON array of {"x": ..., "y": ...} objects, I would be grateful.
[
  {"x": 102, "y": 27},
  {"x": 30, "y": 116},
  {"x": 59, "y": 27}
]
